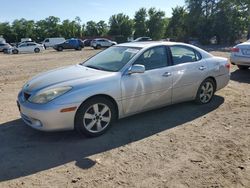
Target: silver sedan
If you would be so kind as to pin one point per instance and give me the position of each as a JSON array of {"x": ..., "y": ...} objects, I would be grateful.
[
  {"x": 240, "y": 55},
  {"x": 118, "y": 82}
]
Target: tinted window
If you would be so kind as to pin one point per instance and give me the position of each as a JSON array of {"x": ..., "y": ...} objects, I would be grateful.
[
  {"x": 31, "y": 44},
  {"x": 1, "y": 44},
  {"x": 182, "y": 54},
  {"x": 23, "y": 45},
  {"x": 47, "y": 40},
  {"x": 153, "y": 58}
]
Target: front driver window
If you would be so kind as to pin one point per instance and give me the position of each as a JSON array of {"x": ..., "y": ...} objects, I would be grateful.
[{"x": 153, "y": 58}]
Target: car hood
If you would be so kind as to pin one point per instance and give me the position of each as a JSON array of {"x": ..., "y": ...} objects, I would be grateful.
[{"x": 65, "y": 75}]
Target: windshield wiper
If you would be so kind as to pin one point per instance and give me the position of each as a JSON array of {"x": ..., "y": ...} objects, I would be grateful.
[
  {"x": 97, "y": 68},
  {"x": 94, "y": 67}
]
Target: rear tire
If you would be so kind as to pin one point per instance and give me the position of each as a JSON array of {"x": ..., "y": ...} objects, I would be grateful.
[
  {"x": 15, "y": 51},
  {"x": 60, "y": 49},
  {"x": 79, "y": 48},
  {"x": 36, "y": 50},
  {"x": 95, "y": 116},
  {"x": 98, "y": 46},
  {"x": 205, "y": 92},
  {"x": 241, "y": 67}
]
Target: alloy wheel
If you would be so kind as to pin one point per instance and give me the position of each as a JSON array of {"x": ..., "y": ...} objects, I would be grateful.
[
  {"x": 206, "y": 92},
  {"x": 97, "y": 117}
]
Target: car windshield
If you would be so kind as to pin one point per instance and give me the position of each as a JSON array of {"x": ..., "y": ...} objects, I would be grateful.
[{"x": 112, "y": 59}]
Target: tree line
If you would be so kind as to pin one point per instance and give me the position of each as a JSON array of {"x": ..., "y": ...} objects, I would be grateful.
[{"x": 227, "y": 20}]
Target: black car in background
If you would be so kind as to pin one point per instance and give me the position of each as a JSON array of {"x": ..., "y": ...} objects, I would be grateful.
[
  {"x": 76, "y": 44},
  {"x": 87, "y": 42}
]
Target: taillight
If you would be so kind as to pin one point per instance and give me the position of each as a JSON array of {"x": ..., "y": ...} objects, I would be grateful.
[
  {"x": 235, "y": 49},
  {"x": 228, "y": 66}
]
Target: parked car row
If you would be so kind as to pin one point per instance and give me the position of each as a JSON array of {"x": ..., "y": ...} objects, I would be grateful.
[
  {"x": 58, "y": 43},
  {"x": 240, "y": 54}
]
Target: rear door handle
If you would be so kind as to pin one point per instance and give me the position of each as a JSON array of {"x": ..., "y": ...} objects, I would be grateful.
[
  {"x": 166, "y": 74},
  {"x": 202, "y": 68}
]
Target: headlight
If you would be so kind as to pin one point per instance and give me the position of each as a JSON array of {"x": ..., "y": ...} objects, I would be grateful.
[{"x": 48, "y": 95}]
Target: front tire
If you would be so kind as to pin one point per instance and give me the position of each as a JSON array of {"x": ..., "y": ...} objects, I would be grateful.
[
  {"x": 95, "y": 116},
  {"x": 205, "y": 92}
]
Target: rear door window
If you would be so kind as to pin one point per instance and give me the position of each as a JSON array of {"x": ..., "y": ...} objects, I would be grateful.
[{"x": 182, "y": 54}]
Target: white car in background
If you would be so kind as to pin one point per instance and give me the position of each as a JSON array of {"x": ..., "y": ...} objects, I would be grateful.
[
  {"x": 240, "y": 55},
  {"x": 50, "y": 42},
  {"x": 27, "y": 47},
  {"x": 102, "y": 43}
]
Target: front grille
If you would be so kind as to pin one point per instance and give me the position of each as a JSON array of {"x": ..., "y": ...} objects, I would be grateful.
[{"x": 26, "y": 95}]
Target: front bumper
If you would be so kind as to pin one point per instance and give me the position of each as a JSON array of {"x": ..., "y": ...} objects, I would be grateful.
[
  {"x": 46, "y": 117},
  {"x": 240, "y": 60}
]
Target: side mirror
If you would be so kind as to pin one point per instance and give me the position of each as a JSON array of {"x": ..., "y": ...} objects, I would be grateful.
[{"x": 136, "y": 69}]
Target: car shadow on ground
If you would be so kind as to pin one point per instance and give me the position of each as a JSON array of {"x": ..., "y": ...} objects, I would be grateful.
[
  {"x": 241, "y": 76},
  {"x": 24, "y": 151}
]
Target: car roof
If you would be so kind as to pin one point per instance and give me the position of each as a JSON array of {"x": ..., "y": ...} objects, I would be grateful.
[
  {"x": 149, "y": 44},
  {"x": 101, "y": 39},
  {"x": 146, "y": 44}
]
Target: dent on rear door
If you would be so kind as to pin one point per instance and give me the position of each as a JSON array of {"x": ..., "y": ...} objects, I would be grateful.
[{"x": 186, "y": 80}]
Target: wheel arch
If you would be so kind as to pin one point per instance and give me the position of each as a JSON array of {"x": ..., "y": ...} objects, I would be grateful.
[
  {"x": 214, "y": 80},
  {"x": 111, "y": 99}
]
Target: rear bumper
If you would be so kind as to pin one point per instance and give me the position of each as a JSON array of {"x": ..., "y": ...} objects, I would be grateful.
[
  {"x": 222, "y": 81},
  {"x": 240, "y": 60}
]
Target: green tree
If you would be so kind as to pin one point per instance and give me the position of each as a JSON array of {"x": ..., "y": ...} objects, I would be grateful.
[
  {"x": 91, "y": 29},
  {"x": 156, "y": 24},
  {"x": 140, "y": 23},
  {"x": 102, "y": 28},
  {"x": 120, "y": 25},
  {"x": 176, "y": 28},
  {"x": 7, "y": 32}
]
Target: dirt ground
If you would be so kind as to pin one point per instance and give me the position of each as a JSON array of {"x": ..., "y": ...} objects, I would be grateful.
[{"x": 184, "y": 145}]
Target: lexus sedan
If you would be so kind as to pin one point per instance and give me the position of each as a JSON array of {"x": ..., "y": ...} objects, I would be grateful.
[
  {"x": 120, "y": 81},
  {"x": 240, "y": 55}
]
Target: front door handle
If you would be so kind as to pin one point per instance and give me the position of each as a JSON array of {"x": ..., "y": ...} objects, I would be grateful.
[
  {"x": 202, "y": 68},
  {"x": 166, "y": 74}
]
